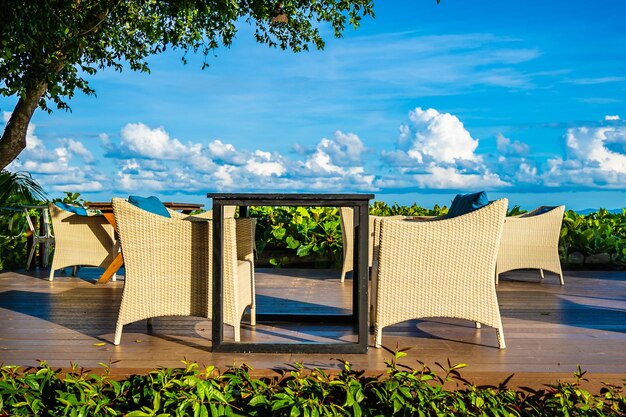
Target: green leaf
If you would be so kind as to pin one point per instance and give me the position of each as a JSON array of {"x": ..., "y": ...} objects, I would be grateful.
[
  {"x": 291, "y": 242},
  {"x": 304, "y": 250}
]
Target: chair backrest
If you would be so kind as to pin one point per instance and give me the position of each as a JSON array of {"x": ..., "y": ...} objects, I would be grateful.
[
  {"x": 543, "y": 210},
  {"x": 447, "y": 265},
  {"x": 68, "y": 226},
  {"x": 157, "y": 250}
]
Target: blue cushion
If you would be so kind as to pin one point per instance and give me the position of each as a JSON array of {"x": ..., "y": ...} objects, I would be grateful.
[
  {"x": 466, "y": 203},
  {"x": 72, "y": 209},
  {"x": 151, "y": 204}
]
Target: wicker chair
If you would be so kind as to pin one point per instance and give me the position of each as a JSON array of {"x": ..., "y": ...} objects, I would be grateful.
[
  {"x": 169, "y": 267},
  {"x": 347, "y": 234},
  {"x": 439, "y": 269},
  {"x": 531, "y": 240},
  {"x": 81, "y": 240}
]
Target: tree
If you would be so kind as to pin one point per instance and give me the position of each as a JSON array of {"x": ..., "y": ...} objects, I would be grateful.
[{"x": 49, "y": 47}]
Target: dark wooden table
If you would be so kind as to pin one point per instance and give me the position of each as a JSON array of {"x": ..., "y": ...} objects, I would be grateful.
[
  {"x": 106, "y": 207},
  {"x": 360, "y": 313}
]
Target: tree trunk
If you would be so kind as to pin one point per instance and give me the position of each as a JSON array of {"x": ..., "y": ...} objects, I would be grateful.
[{"x": 13, "y": 139}]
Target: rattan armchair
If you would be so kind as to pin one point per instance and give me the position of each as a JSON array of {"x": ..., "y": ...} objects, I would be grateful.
[
  {"x": 531, "y": 240},
  {"x": 438, "y": 268},
  {"x": 81, "y": 240},
  {"x": 169, "y": 267}
]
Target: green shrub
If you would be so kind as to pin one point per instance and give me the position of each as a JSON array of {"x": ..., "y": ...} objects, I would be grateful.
[
  {"x": 285, "y": 234},
  {"x": 594, "y": 234},
  {"x": 299, "y": 231},
  {"x": 401, "y": 391},
  {"x": 16, "y": 189},
  {"x": 311, "y": 237}
]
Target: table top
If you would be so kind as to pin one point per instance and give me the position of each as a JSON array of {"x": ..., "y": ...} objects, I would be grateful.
[
  {"x": 108, "y": 206},
  {"x": 290, "y": 198}
]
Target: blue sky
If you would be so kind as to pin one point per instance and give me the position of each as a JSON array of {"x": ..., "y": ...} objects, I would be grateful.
[{"x": 525, "y": 100}]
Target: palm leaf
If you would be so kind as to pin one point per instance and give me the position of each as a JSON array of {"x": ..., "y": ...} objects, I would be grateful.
[{"x": 19, "y": 187}]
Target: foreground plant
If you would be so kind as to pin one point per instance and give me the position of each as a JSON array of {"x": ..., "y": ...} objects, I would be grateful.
[{"x": 401, "y": 391}]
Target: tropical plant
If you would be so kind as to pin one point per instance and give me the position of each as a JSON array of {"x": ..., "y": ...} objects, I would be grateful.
[
  {"x": 298, "y": 231},
  {"x": 380, "y": 208},
  {"x": 19, "y": 188},
  {"x": 285, "y": 234},
  {"x": 16, "y": 189},
  {"x": 594, "y": 234},
  {"x": 296, "y": 391}
]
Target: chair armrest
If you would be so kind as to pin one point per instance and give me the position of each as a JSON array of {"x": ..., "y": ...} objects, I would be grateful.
[{"x": 245, "y": 235}]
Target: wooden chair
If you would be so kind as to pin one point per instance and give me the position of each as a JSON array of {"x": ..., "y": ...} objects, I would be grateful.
[
  {"x": 531, "y": 240},
  {"x": 169, "y": 267},
  {"x": 81, "y": 240},
  {"x": 439, "y": 268}
]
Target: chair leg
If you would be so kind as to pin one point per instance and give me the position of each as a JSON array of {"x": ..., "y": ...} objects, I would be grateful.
[
  {"x": 237, "y": 332},
  {"x": 343, "y": 275},
  {"x": 118, "y": 334},
  {"x": 561, "y": 278},
  {"x": 500, "y": 334},
  {"x": 477, "y": 325},
  {"x": 497, "y": 278},
  {"x": 30, "y": 256},
  {"x": 378, "y": 331},
  {"x": 46, "y": 253},
  {"x": 114, "y": 277},
  {"x": 541, "y": 273},
  {"x": 253, "y": 315},
  {"x": 51, "y": 277}
]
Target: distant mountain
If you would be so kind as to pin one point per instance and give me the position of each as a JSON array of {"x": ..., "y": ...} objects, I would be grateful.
[{"x": 590, "y": 210}]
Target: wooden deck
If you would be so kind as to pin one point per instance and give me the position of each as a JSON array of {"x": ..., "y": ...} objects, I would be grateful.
[{"x": 549, "y": 329}]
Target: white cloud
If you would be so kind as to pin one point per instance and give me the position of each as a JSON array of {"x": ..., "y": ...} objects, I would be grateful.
[
  {"x": 608, "y": 117},
  {"x": 595, "y": 157},
  {"x": 320, "y": 162},
  {"x": 261, "y": 164},
  {"x": 597, "y": 80},
  {"x": 345, "y": 149},
  {"x": 335, "y": 157},
  {"x": 449, "y": 177},
  {"x": 438, "y": 137},
  {"x": 224, "y": 177},
  {"x": 146, "y": 142},
  {"x": 435, "y": 151},
  {"x": 589, "y": 146},
  {"x": 226, "y": 153},
  {"x": 77, "y": 148},
  {"x": 508, "y": 147},
  {"x": 56, "y": 169},
  {"x": 133, "y": 183}
]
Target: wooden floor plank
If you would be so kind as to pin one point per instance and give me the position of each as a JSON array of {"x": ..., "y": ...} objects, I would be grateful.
[{"x": 549, "y": 329}]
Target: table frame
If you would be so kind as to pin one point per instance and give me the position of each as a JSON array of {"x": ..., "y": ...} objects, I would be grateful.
[{"x": 360, "y": 311}]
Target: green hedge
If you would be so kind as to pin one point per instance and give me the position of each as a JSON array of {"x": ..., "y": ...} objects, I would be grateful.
[
  {"x": 298, "y": 236},
  {"x": 598, "y": 237},
  {"x": 401, "y": 391},
  {"x": 286, "y": 236}
]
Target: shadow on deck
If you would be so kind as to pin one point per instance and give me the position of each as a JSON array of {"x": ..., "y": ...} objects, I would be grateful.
[{"x": 549, "y": 329}]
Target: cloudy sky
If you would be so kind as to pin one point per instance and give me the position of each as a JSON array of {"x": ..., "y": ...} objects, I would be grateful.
[{"x": 523, "y": 99}]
